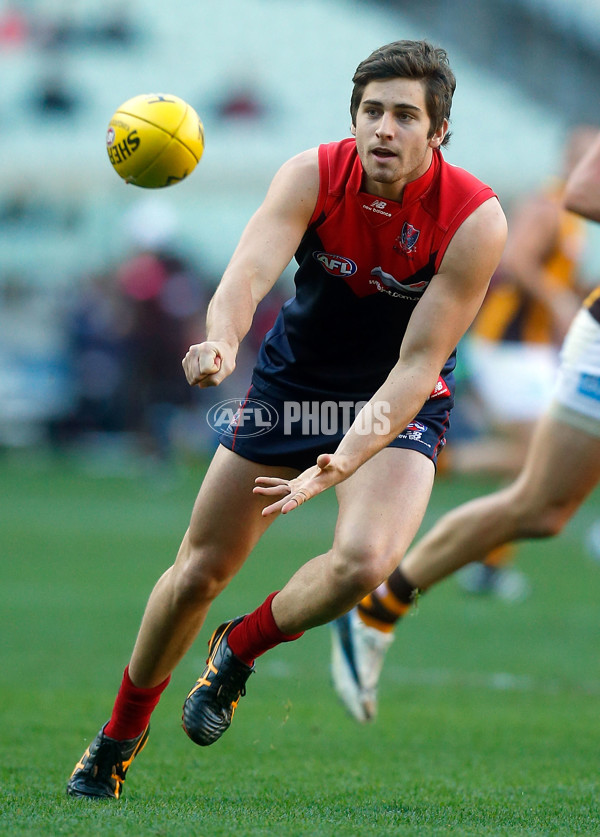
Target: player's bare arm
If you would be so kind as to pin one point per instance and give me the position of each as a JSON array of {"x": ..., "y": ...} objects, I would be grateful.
[
  {"x": 266, "y": 247},
  {"x": 582, "y": 194},
  {"x": 441, "y": 318}
]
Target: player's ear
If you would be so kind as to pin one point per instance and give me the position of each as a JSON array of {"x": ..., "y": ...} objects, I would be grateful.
[
  {"x": 436, "y": 139},
  {"x": 353, "y": 129}
]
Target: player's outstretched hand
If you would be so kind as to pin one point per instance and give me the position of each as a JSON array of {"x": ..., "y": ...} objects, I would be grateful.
[
  {"x": 207, "y": 364},
  {"x": 313, "y": 481}
]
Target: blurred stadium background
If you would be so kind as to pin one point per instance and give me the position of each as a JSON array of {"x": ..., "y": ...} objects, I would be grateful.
[{"x": 269, "y": 78}]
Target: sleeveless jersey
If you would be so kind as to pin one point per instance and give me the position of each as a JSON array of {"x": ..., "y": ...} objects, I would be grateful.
[
  {"x": 508, "y": 314},
  {"x": 363, "y": 264}
]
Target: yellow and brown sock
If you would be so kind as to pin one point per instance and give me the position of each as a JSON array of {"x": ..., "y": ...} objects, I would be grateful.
[{"x": 387, "y": 604}]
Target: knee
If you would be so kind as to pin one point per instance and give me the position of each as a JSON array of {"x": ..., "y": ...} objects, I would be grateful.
[
  {"x": 540, "y": 517},
  {"x": 199, "y": 575},
  {"x": 548, "y": 522},
  {"x": 361, "y": 567}
]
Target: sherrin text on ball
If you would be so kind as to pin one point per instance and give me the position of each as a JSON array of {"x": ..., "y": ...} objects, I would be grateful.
[{"x": 154, "y": 140}]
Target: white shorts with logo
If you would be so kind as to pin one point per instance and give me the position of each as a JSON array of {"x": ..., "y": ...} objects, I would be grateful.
[
  {"x": 576, "y": 398},
  {"x": 515, "y": 381}
]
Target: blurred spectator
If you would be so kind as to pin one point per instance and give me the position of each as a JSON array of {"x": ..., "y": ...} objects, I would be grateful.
[
  {"x": 54, "y": 97},
  {"x": 241, "y": 102},
  {"x": 128, "y": 330},
  {"x": 14, "y": 28},
  {"x": 98, "y": 326},
  {"x": 34, "y": 380},
  {"x": 59, "y": 32},
  {"x": 24, "y": 207},
  {"x": 116, "y": 29},
  {"x": 168, "y": 303}
]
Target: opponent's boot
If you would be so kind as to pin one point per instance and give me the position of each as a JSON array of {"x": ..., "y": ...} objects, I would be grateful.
[{"x": 357, "y": 655}]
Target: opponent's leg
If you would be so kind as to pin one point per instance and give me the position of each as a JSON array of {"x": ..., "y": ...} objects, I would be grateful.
[{"x": 562, "y": 467}]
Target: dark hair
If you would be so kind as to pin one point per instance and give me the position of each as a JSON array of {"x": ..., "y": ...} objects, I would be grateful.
[{"x": 410, "y": 59}]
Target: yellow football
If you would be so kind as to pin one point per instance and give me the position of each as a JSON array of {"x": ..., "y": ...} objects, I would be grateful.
[{"x": 154, "y": 140}]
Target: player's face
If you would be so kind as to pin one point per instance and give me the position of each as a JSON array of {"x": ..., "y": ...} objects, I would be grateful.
[{"x": 391, "y": 131}]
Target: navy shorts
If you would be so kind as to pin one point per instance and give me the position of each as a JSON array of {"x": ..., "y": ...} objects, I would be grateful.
[{"x": 272, "y": 430}]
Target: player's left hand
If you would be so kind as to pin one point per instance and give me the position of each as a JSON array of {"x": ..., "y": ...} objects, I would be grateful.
[{"x": 327, "y": 472}]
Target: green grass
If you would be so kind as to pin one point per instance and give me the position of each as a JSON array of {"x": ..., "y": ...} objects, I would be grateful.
[{"x": 489, "y": 711}]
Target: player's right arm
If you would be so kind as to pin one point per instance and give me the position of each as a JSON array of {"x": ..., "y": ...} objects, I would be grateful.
[
  {"x": 266, "y": 247},
  {"x": 582, "y": 193}
]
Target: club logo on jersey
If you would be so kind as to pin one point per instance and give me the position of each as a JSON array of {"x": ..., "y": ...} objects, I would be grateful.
[
  {"x": 407, "y": 239},
  {"x": 335, "y": 265},
  {"x": 387, "y": 284}
]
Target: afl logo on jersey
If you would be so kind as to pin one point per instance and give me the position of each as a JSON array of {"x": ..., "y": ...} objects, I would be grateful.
[{"x": 335, "y": 265}]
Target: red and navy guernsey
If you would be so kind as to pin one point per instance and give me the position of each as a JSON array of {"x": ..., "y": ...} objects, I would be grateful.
[{"x": 363, "y": 264}]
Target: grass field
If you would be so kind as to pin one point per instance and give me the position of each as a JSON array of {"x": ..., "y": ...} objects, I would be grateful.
[{"x": 489, "y": 717}]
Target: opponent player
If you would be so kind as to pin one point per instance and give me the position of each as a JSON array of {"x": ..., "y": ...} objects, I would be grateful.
[
  {"x": 395, "y": 249},
  {"x": 512, "y": 348},
  {"x": 513, "y": 344},
  {"x": 561, "y": 469}
]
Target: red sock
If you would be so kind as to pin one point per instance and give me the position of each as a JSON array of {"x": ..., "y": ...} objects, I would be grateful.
[
  {"x": 132, "y": 709},
  {"x": 257, "y": 632}
]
